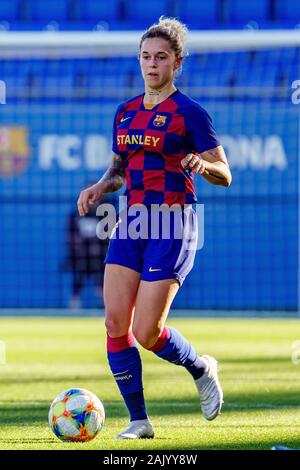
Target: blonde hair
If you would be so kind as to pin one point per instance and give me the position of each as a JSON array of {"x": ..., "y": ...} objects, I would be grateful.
[{"x": 170, "y": 29}]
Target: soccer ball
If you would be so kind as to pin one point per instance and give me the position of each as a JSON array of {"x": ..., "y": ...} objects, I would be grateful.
[{"x": 76, "y": 415}]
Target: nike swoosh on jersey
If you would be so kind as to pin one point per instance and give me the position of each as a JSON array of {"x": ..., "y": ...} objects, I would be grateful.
[
  {"x": 151, "y": 270},
  {"x": 125, "y": 119}
]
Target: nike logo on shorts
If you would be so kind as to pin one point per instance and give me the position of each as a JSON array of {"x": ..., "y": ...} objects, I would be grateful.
[{"x": 151, "y": 270}]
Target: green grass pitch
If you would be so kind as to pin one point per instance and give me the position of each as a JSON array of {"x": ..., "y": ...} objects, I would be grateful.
[{"x": 45, "y": 356}]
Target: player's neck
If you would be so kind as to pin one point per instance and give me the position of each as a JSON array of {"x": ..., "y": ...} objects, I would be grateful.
[{"x": 156, "y": 96}]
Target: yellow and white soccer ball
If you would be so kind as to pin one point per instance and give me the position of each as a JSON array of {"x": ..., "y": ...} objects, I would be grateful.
[{"x": 76, "y": 415}]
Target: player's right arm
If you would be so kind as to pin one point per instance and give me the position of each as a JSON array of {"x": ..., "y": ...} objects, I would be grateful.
[{"x": 112, "y": 180}]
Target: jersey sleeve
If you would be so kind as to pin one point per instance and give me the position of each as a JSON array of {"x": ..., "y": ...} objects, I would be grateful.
[
  {"x": 114, "y": 133},
  {"x": 200, "y": 130}
]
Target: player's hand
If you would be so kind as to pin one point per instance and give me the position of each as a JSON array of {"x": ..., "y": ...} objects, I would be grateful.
[
  {"x": 194, "y": 162},
  {"x": 87, "y": 198}
]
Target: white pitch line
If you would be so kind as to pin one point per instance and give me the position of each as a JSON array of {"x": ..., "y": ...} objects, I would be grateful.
[{"x": 245, "y": 406}]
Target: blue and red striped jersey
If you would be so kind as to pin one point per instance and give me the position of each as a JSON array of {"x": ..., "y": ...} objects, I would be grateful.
[{"x": 152, "y": 143}]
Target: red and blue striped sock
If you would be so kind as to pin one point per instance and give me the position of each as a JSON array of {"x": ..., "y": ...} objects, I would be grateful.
[
  {"x": 126, "y": 366},
  {"x": 173, "y": 347}
]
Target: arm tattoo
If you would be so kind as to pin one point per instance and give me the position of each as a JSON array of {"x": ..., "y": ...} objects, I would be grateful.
[
  {"x": 216, "y": 176},
  {"x": 214, "y": 153},
  {"x": 114, "y": 177},
  {"x": 220, "y": 171}
]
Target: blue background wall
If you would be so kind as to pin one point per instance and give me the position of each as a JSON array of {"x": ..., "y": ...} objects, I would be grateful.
[{"x": 250, "y": 255}]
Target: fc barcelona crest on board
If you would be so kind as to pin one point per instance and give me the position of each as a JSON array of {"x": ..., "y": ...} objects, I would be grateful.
[{"x": 14, "y": 150}]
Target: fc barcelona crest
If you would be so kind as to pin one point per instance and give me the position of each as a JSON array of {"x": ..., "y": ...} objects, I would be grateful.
[
  {"x": 14, "y": 150},
  {"x": 159, "y": 120}
]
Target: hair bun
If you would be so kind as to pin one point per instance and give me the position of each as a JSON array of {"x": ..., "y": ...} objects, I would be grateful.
[{"x": 175, "y": 28}]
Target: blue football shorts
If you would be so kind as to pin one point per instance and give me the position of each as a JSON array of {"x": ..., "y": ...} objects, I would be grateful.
[{"x": 157, "y": 245}]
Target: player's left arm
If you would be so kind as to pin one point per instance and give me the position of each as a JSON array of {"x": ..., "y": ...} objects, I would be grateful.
[
  {"x": 211, "y": 164},
  {"x": 214, "y": 167}
]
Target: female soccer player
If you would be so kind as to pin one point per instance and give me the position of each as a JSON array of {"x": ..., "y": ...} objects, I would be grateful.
[{"x": 161, "y": 138}]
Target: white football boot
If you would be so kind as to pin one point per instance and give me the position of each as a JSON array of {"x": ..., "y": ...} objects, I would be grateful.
[
  {"x": 209, "y": 389},
  {"x": 139, "y": 429}
]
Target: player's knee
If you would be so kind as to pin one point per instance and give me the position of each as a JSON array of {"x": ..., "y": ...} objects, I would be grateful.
[
  {"x": 146, "y": 338},
  {"x": 115, "y": 326}
]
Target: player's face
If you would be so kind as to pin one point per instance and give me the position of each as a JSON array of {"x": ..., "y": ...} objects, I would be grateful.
[{"x": 158, "y": 62}]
